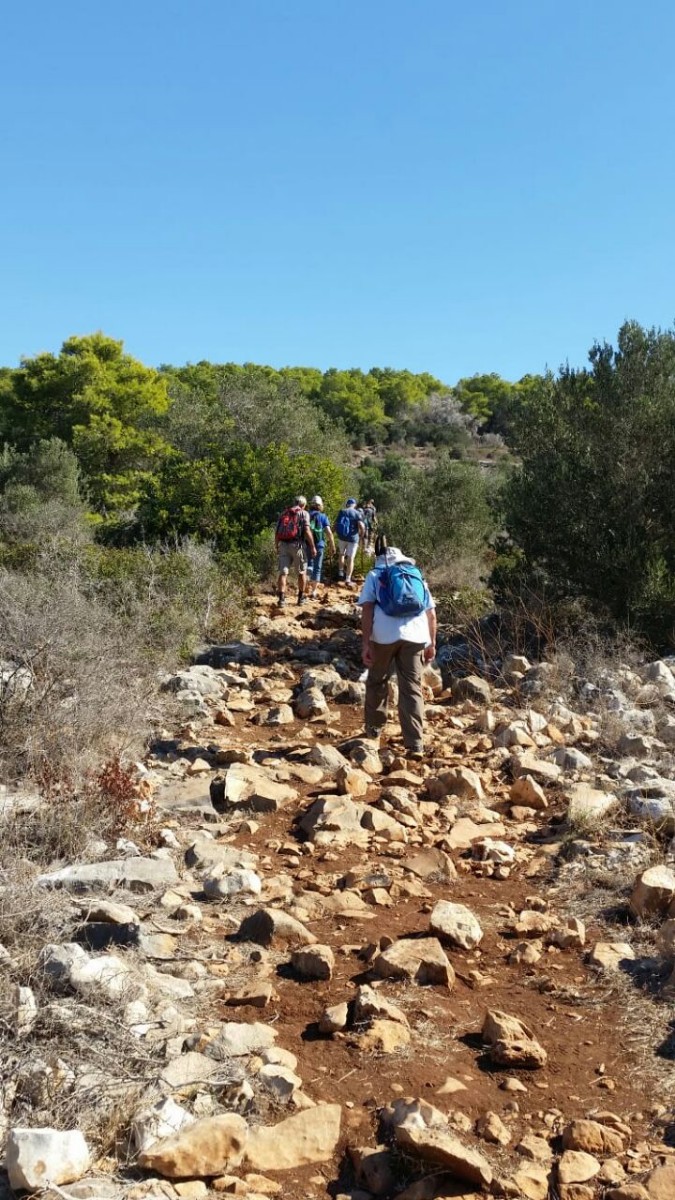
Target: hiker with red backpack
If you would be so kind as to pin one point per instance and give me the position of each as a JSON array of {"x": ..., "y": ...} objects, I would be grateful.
[
  {"x": 294, "y": 542},
  {"x": 398, "y": 622},
  {"x": 350, "y": 528}
]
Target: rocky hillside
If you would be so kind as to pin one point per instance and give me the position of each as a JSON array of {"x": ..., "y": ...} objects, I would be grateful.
[{"x": 310, "y": 970}]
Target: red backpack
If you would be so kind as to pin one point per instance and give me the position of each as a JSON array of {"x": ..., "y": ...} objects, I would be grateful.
[{"x": 291, "y": 525}]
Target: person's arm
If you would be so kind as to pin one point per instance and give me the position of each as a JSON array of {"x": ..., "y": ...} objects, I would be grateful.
[
  {"x": 367, "y": 614},
  {"x": 362, "y": 530},
  {"x": 309, "y": 537},
  {"x": 430, "y": 651},
  {"x": 331, "y": 539}
]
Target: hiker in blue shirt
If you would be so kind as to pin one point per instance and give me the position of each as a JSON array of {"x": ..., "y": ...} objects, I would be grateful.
[
  {"x": 320, "y": 527},
  {"x": 350, "y": 527}
]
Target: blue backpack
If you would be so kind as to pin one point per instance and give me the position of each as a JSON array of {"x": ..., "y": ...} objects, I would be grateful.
[
  {"x": 400, "y": 590},
  {"x": 347, "y": 524}
]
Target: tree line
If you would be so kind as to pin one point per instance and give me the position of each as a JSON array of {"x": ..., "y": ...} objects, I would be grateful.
[{"x": 580, "y": 507}]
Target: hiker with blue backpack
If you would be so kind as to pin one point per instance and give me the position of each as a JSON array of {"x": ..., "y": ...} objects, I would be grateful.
[
  {"x": 350, "y": 528},
  {"x": 321, "y": 531},
  {"x": 398, "y": 623}
]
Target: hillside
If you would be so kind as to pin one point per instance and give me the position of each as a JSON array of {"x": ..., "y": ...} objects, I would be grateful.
[{"x": 305, "y": 969}]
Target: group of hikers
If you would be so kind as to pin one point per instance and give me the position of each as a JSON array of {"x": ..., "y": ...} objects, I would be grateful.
[
  {"x": 398, "y": 613},
  {"x": 301, "y": 536}
]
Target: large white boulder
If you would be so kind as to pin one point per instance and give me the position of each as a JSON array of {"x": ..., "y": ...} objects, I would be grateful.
[{"x": 37, "y": 1157}]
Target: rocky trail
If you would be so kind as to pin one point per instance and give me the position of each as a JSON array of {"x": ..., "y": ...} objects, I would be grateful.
[{"x": 325, "y": 971}]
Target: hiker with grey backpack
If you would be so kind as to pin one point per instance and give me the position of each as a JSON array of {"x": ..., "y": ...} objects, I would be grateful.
[{"x": 398, "y": 623}]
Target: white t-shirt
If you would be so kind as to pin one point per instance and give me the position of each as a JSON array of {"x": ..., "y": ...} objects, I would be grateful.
[{"x": 388, "y": 629}]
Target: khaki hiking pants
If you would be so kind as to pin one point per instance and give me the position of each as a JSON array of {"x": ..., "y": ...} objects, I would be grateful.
[{"x": 406, "y": 657}]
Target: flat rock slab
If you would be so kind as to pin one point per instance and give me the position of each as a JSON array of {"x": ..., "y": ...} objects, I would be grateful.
[
  {"x": 136, "y": 874},
  {"x": 309, "y": 1137},
  {"x": 443, "y": 1149},
  {"x": 205, "y": 1148}
]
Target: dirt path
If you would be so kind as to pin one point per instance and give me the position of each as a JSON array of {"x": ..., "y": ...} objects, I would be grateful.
[{"x": 576, "y": 1012}]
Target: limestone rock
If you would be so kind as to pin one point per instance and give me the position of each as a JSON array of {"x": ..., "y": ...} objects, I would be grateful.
[
  {"x": 334, "y": 1018},
  {"x": 328, "y": 758},
  {"x": 136, "y": 874},
  {"x": 471, "y": 687},
  {"x": 535, "y": 1148},
  {"x": 279, "y": 1080},
  {"x": 310, "y": 703},
  {"x": 527, "y": 792},
  {"x": 273, "y": 927},
  {"x": 420, "y": 960},
  {"x": 610, "y": 955},
  {"x": 575, "y": 1166},
  {"x": 539, "y": 769},
  {"x": 385, "y": 1037},
  {"x": 280, "y": 714},
  {"x": 206, "y": 854},
  {"x": 460, "y": 781},
  {"x": 352, "y": 782},
  {"x": 660, "y": 1183},
  {"x": 374, "y": 1167},
  {"x": 588, "y": 804},
  {"x": 205, "y": 1148},
  {"x": 335, "y": 821},
  {"x": 369, "y": 1005},
  {"x": 512, "y": 1043},
  {"x": 223, "y": 883},
  {"x": 521, "y": 1052},
  {"x": 188, "y": 1069},
  {"x": 456, "y": 923},
  {"x": 308, "y": 1137},
  {"x": 34, "y": 1158},
  {"x": 492, "y": 1129},
  {"x": 254, "y": 786},
  {"x": 441, "y": 1148},
  {"x": 571, "y": 937},
  {"x": 465, "y": 832},
  {"x": 313, "y": 962},
  {"x": 568, "y": 758},
  {"x": 592, "y": 1137},
  {"x": 163, "y": 1120},
  {"x": 653, "y": 891},
  {"x": 237, "y": 1038},
  {"x": 532, "y": 1180},
  {"x": 431, "y": 863}
]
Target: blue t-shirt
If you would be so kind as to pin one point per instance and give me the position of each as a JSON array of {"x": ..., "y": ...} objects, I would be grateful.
[{"x": 319, "y": 523}]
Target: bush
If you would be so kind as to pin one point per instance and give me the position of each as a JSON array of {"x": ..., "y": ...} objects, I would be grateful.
[
  {"x": 591, "y": 506},
  {"x": 83, "y": 638},
  {"x": 441, "y": 516}
]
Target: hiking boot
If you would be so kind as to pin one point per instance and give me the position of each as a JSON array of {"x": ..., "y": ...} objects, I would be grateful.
[
  {"x": 302, "y": 599},
  {"x": 349, "y": 583},
  {"x": 281, "y": 601},
  {"x": 372, "y": 735},
  {"x": 415, "y": 755}
]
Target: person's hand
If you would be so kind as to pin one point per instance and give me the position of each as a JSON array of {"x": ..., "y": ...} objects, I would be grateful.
[
  {"x": 367, "y": 655},
  {"x": 429, "y": 653}
]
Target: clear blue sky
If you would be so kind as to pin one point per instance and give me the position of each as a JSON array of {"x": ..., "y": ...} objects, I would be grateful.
[{"x": 437, "y": 185}]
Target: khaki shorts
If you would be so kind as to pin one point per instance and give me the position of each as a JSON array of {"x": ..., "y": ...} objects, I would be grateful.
[{"x": 292, "y": 555}]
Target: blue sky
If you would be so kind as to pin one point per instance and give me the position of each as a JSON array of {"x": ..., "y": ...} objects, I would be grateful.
[{"x": 433, "y": 185}]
